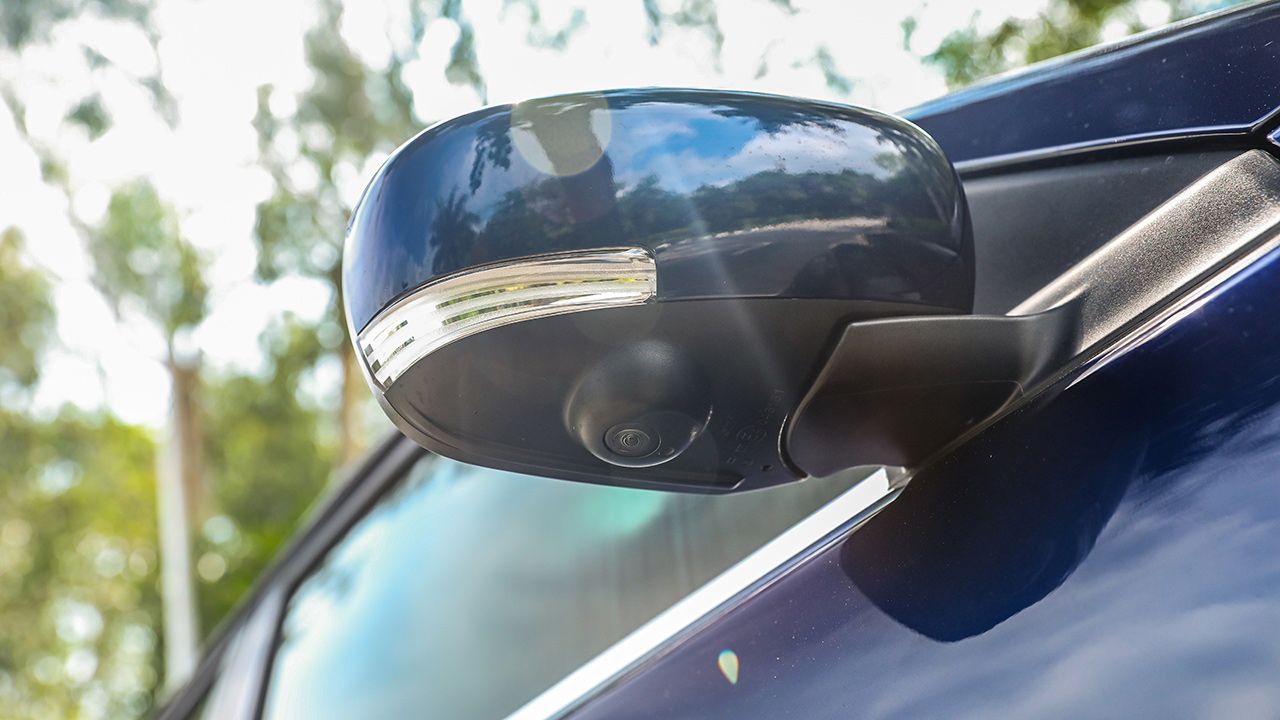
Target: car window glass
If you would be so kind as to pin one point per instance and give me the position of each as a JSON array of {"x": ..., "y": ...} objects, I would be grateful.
[{"x": 466, "y": 592}]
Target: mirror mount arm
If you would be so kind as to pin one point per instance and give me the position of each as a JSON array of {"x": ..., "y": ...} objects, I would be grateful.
[
  {"x": 897, "y": 391},
  {"x": 893, "y": 392}
]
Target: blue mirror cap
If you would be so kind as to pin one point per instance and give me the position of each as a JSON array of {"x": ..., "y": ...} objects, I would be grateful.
[{"x": 734, "y": 194}]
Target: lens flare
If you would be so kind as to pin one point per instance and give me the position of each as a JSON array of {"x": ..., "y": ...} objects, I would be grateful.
[
  {"x": 562, "y": 136},
  {"x": 728, "y": 662}
]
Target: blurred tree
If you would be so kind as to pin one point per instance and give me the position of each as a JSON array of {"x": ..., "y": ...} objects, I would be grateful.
[
  {"x": 77, "y": 535},
  {"x": 33, "y": 22},
  {"x": 143, "y": 265},
  {"x": 1063, "y": 26},
  {"x": 350, "y": 113},
  {"x": 267, "y": 462},
  {"x": 259, "y": 438},
  {"x": 28, "y": 23},
  {"x": 26, "y": 314},
  {"x": 147, "y": 270},
  {"x": 78, "y": 567}
]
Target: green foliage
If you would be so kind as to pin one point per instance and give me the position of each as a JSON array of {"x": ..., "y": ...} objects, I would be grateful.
[
  {"x": 699, "y": 15},
  {"x": 350, "y": 112},
  {"x": 91, "y": 115},
  {"x": 25, "y": 21},
  {"x": 78, "y": 567},
  {"x": 142, "y": 261},
  {"x": 968, "y": 55},
  {"x": 267, "y": 463},
  {"x": 26, "y": 314},
  {"x": 835, "y": 79},
  {"x": 78, "y": 556},
  {"x": 541, "y": 36}
]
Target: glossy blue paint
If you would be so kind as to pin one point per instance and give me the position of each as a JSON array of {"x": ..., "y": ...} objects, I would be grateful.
[
  {"x": 736, "y": 194},
  {"x": 1109, "y": 549},
  {"x": 1216, "y": 76}
]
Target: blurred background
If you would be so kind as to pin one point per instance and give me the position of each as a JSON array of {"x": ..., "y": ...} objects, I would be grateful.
[{"x": 176, "y": 387}]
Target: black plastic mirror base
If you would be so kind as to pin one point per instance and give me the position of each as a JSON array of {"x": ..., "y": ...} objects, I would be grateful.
[
  {"x": 708, "y": 383},
  {"x": 895, "y": 391}
]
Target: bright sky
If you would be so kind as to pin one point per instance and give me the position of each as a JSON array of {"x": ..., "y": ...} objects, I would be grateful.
[{"x": 213, "y": 56}]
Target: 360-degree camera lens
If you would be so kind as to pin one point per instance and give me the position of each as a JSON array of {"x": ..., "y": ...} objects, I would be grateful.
[
  {"x": 640, "y": 406},
  {"x": 631, "y": 440}
]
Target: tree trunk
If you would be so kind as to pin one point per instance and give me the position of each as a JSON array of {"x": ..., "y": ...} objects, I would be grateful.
[
  {"x": 353, "y": 390},
  {"x": 178, "y": 483},
  {"x": 189, "y": 426}
]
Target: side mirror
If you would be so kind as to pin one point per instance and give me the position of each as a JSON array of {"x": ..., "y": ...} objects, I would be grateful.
[{"x": 692, "y": 290}]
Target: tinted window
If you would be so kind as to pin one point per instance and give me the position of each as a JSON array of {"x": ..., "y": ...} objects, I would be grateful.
[{"x": 466, "y": 592}]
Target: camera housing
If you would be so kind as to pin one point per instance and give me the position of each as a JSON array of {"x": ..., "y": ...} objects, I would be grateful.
[{"x": 641, "y": 406}]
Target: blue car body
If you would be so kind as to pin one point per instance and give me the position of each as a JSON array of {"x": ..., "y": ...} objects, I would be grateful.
[
  {"x": 1212, "y": 81},
  {"x": 1109, "y": 547}
]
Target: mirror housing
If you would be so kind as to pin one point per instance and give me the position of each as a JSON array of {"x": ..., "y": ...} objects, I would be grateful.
[{"x": 638, "y": 287}]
